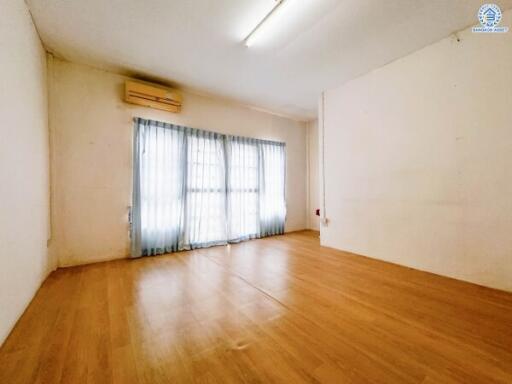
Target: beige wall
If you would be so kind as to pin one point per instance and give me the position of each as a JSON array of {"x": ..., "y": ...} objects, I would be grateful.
[
  {"x": 313, "y": 175},
  {"x": 92, "y": 139},
  {"x": 419, "y": 160},
  {"x": 24, "y": 188}
]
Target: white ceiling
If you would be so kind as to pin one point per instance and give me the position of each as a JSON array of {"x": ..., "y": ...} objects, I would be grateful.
[{"x": 197, "y": 44}]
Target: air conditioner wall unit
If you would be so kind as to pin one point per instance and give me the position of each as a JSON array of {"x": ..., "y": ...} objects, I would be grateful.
[{"x": 152, "y": 96}]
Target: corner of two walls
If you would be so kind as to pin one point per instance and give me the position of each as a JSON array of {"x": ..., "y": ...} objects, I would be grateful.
[
  {"x": 52, "y": 237},
  {"x": 313, "y": 198}
]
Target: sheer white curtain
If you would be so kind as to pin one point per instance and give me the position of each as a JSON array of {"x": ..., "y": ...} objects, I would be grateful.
[
  {"x": 158, "y": 202},
  {"x": 272, "y": 192},
  {"x": 205, "y": 207},
  {"x": 243, "y": 188},
  {"x": 194, "y": 188},
  {"x": 256, "y": 193}
]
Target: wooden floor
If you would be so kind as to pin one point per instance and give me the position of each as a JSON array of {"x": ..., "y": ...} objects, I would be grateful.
[{"x": 277, "y": 310}]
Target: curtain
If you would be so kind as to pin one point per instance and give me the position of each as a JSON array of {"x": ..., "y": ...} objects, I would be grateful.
[
  {"x": 205, "y": 198},
  {"x": 272, "y": 195},
  {"x": 158, "y": 205},
  {"x": 194, "y": 188},
  {"x": 243, "y": 188}
]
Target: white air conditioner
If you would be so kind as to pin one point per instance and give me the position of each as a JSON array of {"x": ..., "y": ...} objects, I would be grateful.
[{"x": 152, "y": 96}]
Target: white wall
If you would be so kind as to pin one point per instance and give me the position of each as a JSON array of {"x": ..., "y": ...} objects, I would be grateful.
[
  {"x": 313, "y": 175},
  {"x": 419, "y": 160},
  {"x": 24, "y": 188},
  {"x": 92, "y": 154}
]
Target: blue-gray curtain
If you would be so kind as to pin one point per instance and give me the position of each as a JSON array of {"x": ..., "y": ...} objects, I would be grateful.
[{"x": 194, "y": 188}]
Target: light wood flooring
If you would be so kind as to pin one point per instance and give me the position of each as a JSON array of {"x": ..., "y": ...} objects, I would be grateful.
[{"x": 275, "y": 310}]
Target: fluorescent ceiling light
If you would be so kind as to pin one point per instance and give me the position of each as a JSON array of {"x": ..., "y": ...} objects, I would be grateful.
[{"x": 261, "y": 27}]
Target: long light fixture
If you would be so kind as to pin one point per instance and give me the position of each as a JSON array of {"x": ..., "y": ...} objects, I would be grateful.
[{"x": 257, "y": 31}]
